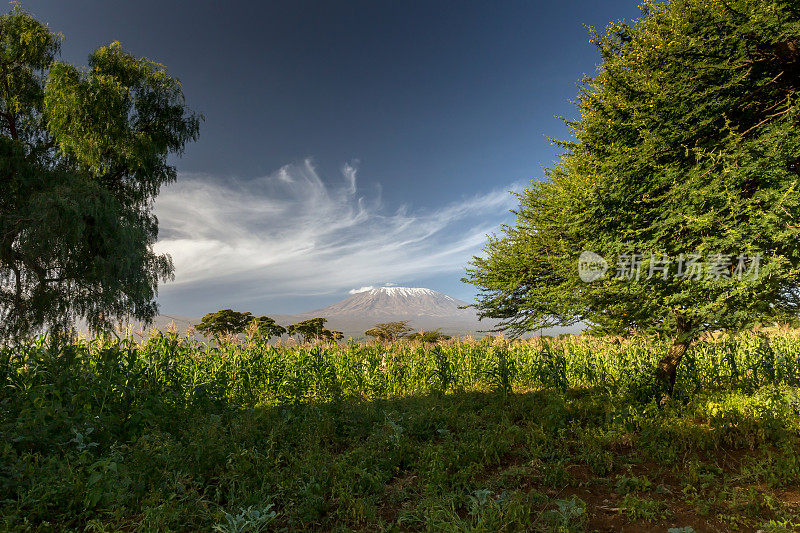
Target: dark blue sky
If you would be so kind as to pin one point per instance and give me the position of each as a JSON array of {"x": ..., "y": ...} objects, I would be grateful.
[{"x": 365, "y": 142}]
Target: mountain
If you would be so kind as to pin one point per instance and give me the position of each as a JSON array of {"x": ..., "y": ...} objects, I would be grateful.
[
  {"x": 396, "y": 302},
  {"x": 424, "y": 309}
]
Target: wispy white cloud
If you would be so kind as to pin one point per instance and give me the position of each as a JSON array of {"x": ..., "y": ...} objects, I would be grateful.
[
  {"x": 361, "y": 289},
  {"x": 292, "y": 233}
]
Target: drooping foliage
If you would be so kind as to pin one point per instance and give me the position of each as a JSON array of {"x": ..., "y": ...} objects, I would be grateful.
[{"x": 83, "y": 154}]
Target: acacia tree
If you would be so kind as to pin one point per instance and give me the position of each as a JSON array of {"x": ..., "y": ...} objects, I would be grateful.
[
  {"x": 687, "y": 145},
  {"x": 389, "y": 331},
  {"x": 429, "y": 336},
  {"x": 83, "y": 153},
  {"x": 266, "y": 327},
  {"x": 224, "y": 322},
  {"x": 314, "y": 329}
]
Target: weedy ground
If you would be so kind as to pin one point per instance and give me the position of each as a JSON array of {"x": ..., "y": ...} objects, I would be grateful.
[{"x": 543, "y": 435}]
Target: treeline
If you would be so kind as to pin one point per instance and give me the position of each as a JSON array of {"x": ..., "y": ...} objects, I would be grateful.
[
  {"x": 227, "y": 322},
  {"x": 392, "y": 331}
]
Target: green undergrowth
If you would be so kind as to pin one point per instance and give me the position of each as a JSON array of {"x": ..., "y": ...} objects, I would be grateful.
[{"x": 481, "y": 436}]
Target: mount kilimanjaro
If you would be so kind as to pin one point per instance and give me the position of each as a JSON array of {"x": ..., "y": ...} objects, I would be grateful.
[
  {"x": 424, "y": 309},
  {"x": 397, "y": 302}
]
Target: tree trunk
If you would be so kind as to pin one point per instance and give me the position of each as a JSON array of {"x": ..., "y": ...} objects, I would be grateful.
[{"x": 668, "y": 366}]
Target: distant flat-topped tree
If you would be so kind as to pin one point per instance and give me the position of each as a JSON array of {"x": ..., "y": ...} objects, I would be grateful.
[
  {"x": 228, "y": 322},
  {"x": 676, "y": 206},
  {"x": 429, "y": 336},
  {"x": 389, "y": 331},
  {"x": 313, "y": 329},
  {"x": 266, "y": 328},
  {"x": 224, "y": 322},
  {"x": 83, "y": 154}
]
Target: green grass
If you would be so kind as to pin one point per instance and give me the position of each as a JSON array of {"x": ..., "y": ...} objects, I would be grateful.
[{"x": 561, "y": 435}]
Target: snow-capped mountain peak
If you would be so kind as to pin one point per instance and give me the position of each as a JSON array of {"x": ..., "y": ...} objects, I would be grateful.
[
  {"x": 397, "y": 303},
  {"x": 407, "y": 292}
]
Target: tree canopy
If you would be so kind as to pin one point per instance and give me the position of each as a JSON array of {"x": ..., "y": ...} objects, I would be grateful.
[
  {"x": 83, "y": 154},
  {"x": 389, "y": 331},
  {"x": 681, "y": 175},
  {"x": 266, "y": 328},
  {"x": 313, "y": 329},
  {"x": 230, "y": 322},
  {"x": 224, "y": 322},
  {"x": 428, "y": 336}
]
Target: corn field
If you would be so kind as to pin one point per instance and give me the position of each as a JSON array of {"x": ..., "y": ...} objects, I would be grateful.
[
  {"x": 174, "y": 434},
  {"x": 184, "y": 372}
]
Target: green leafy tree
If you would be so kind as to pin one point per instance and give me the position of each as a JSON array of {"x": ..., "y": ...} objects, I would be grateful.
[
  {"x": 265, "y": 327},
  {"x": 224, "y": 322},
  {"x": 687, "y": 143},
  {"x": 428, "y": 336},
  {"x": 389, "y": 331},
  {"x": 313, "y": 329},
  {"x": 331, "y": 335},
  {"x": 83, "y": 153}
]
